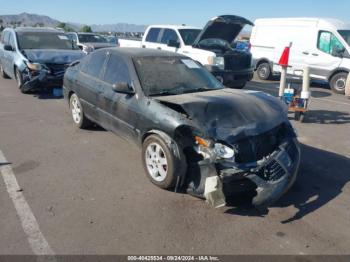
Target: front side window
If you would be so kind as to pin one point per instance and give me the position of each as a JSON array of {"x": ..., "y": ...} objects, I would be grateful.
[
  {"x": 152, "y": 35},
  {"x": 328, "y": 42},
  {"x": 44, "y": 40},
  {"x": 5, "y": 37},
  {"x": 11, "y": 41},
  {"x": 169, "y": 35},
  {"x": 95, "y": 64},
  {"x": 173, "y": 76},
  {"x": 116, "y": 71}
]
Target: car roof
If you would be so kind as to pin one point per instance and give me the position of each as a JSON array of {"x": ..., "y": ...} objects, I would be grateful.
[{"x": 132, "y": 52}]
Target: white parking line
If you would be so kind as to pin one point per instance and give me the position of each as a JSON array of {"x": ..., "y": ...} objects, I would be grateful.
[{"x": 30, "y": 226}]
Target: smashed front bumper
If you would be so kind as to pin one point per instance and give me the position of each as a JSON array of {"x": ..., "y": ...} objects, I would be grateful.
[
  {"x": 41, "y": 79},
  {"x": 272, "y": 176}
]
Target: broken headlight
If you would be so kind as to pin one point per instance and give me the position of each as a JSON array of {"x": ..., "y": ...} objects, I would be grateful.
[
  {"x": 34, "y": 66},
  {"x": 222, "y": 151},
  {"x": 210, "y": 150}
]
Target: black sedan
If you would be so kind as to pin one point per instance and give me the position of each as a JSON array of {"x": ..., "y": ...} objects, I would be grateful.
[{"x": 192, "y": 130}]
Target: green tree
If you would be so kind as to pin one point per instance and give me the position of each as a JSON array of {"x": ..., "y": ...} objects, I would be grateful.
[
  {"x": 86, "y": 29},
  {"x": 65, "y": 27}
]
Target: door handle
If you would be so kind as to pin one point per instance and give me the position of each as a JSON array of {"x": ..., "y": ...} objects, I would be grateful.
[
  {"x": 159, "y": 48},
  {"x": 143, "y": 46},
  {"x": 314, "y": 54},
  {"x": 306, "y": 53}
]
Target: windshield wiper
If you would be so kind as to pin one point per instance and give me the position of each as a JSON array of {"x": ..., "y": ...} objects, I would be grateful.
[{"x": 171, "y": 91}]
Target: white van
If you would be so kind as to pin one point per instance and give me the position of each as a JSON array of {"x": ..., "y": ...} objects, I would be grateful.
[{"x": 321, "y": 44}]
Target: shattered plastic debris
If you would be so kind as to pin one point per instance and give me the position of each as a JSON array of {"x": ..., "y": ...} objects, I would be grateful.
[{"x": 213, "y": 192}]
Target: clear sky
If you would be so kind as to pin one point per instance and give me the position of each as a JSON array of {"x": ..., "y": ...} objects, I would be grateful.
[{"x": 189, "y": 12}]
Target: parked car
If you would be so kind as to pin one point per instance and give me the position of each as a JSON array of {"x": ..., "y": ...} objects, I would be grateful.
[
  {"x": 189, "y": 126},
  {"x": 88, "y": 42},
  {"x": 36, "y": 57},
  {"x": 113, "y": 40},
  {"x": 210, "y": 46},
  {"x": 321, "y": 44}
]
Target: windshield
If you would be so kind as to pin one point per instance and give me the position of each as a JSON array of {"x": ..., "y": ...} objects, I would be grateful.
[
  {"x": 173, "y": 76},
  {"x": 189, "y": 35},
  {"x": 44, "y": 40},
  {"x": 91, "y": 38},
  {"x": 345, "y": 35}
]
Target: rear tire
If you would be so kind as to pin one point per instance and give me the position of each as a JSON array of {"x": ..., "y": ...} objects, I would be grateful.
[
  {"x": 2, "y": 72},
  {"x": 77, "y": 111},
  {"x": 338, "y": 83},
  {"x": 264, "y": 71}
]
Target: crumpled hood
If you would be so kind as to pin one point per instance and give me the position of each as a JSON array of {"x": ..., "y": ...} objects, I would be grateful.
[
  {"x": 227, "y": 112},
  {"x": 53, "y": 56}
]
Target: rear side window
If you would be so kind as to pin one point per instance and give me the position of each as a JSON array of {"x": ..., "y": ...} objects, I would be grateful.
[
  {"x": 152, "y": 35},
  {"x": 168, "y": 35},
  {"x": 95, "y": 64},
  {"x": 116, "y": 70},
  {"x": 327, "y": 42}
]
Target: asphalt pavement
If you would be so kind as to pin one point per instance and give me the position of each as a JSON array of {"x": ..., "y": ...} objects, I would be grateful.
[{"x": 71, "y": 191}]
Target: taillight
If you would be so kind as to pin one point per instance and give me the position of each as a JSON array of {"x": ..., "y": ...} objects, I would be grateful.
[{"x": 249, "y": 46}]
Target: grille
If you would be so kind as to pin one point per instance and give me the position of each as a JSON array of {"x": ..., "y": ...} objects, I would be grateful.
[
  {"x": 272, "y": 171},
  {"x": 237, "y": 61},
  {"x": 252, "y": 149},
  {"x": 57, "y": 69}
]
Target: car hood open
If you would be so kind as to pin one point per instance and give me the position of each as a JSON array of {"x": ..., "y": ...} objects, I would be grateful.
[
  {"x": 52, "y": 56},
  {"x": 226, "y": 27},
  {"x": 229, "y": 113}
]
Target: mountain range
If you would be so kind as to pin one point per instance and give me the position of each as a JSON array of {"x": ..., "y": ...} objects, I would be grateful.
[{"x": 25, "y": 19}]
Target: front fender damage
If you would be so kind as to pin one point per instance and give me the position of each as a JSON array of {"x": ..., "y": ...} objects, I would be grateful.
[
  {"x": 31, "y": 81},
  {"x": 272, "y": 177}
]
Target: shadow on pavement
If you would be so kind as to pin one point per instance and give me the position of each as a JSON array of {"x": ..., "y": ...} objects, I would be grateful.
[
  {"x": 322, "y": 176},
  {"x": 326, "y": 117},
  {"x": 46, "y": 94}
]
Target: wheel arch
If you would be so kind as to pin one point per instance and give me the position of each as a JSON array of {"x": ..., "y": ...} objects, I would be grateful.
[
  {"x": 263, "y": 60},
  {"x": 337, "y": 71}
]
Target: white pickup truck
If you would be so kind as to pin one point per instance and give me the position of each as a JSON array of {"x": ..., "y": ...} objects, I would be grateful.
[{"x": 211, "y": 47}]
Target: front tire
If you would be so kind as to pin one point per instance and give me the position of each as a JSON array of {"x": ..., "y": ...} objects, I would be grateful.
[
  {"x": 19, "y": 81},
  {"x": 264, "y": 71},
  {"x": 77, "y": 111},
  {"x": 338, "y": 83},
  {"x": 2, "y": 72},
  {"x": 161, "y": 166}
]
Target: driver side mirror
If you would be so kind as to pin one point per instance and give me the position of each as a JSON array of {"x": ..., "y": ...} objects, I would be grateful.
[
  {"x": 173, "y": 43},
  {"x": 8, "y": 48},
  {"x": 123, "y": 88},
  {"x": 338, "y": 52}
]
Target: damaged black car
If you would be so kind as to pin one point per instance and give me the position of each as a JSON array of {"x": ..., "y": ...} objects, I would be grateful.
[
  {"x": 194, "y": 133},
  {"x": 36, "y": 57}
]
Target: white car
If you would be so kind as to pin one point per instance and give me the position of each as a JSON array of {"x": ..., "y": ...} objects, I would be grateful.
[
  {"x": 89, "y": 42},
  {"x": 321, "y": 44},
  {"x": 211, "y": 47}
]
